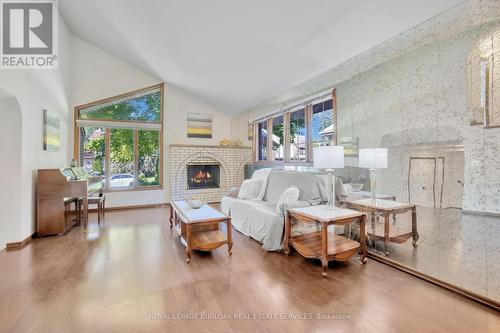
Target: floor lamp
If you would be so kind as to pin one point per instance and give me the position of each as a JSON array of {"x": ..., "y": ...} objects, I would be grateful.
[
  {"x": 329, "y": 158},
  {"x": 373, "y": 159}
]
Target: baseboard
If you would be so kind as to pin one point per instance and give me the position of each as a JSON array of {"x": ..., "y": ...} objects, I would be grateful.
[
  {"x": 110, "y": 209},
  {"x": 162, "y": 205},
  {"x": 19, "y": 245},
  {"x": 475, "y": 212},
  {"x": 471, "y": 295}
]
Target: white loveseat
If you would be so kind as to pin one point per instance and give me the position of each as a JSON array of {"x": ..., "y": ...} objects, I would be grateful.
[{"x": 261, "y": 220}]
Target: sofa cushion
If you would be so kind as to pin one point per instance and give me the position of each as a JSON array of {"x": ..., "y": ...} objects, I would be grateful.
[
  {"x": 311, "y": 187},
  {"x": 289, "y": 195},
  {"x": 250, "y": 189},
  {"x": 265, "y": 225},
  {"x": 262, "y": 174},
  {"x": 227, "y": 203}
]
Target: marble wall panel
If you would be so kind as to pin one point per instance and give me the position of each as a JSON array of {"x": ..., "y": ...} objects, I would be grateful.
[{"x": 411, "y": 91}]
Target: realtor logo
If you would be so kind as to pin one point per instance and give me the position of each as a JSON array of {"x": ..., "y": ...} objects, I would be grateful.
[{"x": 29, "y": 34}]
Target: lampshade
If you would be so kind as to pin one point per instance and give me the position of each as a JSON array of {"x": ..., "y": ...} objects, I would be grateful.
[
  {"x": 328, "y": 157},
  {"x": 373, "y": 158}
]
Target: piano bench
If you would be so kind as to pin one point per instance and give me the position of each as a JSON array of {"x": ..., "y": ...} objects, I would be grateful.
[{"x": 101, "y": 205}]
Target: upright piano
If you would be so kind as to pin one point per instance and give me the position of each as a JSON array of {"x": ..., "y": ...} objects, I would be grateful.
[{"x": 56, "y": 190}]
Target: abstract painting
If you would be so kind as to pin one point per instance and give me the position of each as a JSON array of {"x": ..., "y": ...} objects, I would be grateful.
[
  {"x": 51, "y": 131},
  {"x": 199, "y": 125}
]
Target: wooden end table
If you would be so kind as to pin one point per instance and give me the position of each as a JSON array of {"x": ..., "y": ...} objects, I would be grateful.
[
  {"x": 384, "y": 231},
  {"x": 356, "y": 195},
  {"x": 367, "y": 194},
  {"x": 199, "y": 228},
  {"x": 323, "y": 245}
]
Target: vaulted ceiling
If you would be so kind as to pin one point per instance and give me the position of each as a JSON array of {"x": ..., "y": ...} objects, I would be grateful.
[{"x": 233, "y": 54}]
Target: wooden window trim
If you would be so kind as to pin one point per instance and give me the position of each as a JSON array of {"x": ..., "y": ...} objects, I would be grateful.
[
  {"x": 269, "y": 156},
  {"x": 308, "y": 114},
  {"x": 286, "y": 121},
  {"x": 334, "y": 110},
  {"x": 76, "y": 138}
]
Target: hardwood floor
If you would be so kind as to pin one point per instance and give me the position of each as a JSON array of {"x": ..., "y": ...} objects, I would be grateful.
[{"x": 115, "y": 278}]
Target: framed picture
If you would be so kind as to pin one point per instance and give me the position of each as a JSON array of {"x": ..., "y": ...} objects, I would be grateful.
[
  {"x": 51, "y": 131},
  {"x": 199, "y": 125}
]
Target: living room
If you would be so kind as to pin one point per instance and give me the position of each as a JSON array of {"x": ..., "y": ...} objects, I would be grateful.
[{"x": 250, "y": 166}]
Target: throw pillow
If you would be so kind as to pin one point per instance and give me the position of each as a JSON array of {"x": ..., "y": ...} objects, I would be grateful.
[
  {"x": 262, "y": 174},
  {"x": 289, "y": 195},
  {"x": 250, "y": 189}
]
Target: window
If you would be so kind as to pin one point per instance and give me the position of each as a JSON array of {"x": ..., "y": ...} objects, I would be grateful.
[
  {"x": 120, "y": 139},
  {"x": 322, "y": 131},
  {"x": 298, "y": 135},
  {"x": 483, "y": 80},
  {"x": 262, "y": 141},
  {"x": 93, "y": 150},
  {"x": 298, "y": 129},
  {"x": 121, "y": 158},
  {"x": 149, "y": 158},
  {"x": 278, "y": 138}
]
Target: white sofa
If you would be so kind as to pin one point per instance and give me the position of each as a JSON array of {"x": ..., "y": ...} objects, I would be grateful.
[{"x": 260, "y": 219}]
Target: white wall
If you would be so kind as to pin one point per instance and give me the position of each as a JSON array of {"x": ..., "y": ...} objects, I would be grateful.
[
  {"x": 97, "y": 74},
  {"x": 10, "y": 182},
  {"x": 239, "y": 128},
  {"x": 36, "y": 90}
]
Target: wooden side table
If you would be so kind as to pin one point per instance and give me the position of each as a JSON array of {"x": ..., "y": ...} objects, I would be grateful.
[
  {"x": 199, "y": 228},
  {"x": 368, "y": 194},
  {"x": 384, "y": 231},
  {"x": 357, "y": 195},
  {"x": 323, "y": 245}
]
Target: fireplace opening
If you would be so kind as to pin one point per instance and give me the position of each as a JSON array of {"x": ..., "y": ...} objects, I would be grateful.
[{"x": 203, "y": 176}]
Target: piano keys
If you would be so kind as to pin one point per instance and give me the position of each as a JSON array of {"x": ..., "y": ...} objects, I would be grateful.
[{"x": 56, "y": 190}]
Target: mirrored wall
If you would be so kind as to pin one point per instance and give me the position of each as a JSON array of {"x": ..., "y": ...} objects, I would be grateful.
[
  {"x": 435, "y": 112},
  {"x": 428, "y": 101}
]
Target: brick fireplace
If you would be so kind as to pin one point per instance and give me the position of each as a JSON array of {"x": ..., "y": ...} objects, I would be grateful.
[
  {"x": 203, "y": 175},
  {"x": 206, "y": 171}
]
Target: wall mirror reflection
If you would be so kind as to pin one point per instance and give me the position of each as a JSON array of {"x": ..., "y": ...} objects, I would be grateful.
[{"x": 429, "y": 99}]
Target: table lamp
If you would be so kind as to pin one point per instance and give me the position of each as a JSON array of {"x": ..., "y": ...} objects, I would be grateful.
[
  {"x": 329, "y": 158},
  {"x": 373, "y": 159}
]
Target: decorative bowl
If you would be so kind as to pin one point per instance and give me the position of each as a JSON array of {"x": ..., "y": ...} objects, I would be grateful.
[{"x": 194, "y": 203}]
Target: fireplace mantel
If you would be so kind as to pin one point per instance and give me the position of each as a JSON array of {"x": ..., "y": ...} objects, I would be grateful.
[{"x": 210, "y": 146}]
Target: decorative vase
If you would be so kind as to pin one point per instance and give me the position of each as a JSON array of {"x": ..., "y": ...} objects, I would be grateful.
[{"x": 225, "y": 142}]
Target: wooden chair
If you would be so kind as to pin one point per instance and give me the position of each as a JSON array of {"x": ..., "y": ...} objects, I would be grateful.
[{"x": 100, "y": 201}]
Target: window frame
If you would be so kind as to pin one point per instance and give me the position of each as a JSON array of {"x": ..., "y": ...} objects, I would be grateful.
[
  {"x": 308, "y": 109},
  {"x": 76, "y": 132},
  {"x": 271, "y": 142},
  {"x": 257, "y": 140},
  {"x": 307, "y": 128}
]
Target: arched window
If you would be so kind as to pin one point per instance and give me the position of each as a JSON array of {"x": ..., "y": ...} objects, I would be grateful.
[{"x": 484, "y": 82}]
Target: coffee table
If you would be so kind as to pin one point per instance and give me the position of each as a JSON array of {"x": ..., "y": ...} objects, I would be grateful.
[
  {"x": 199, "y": 228},
  {"x": 325, "y": 245}
]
